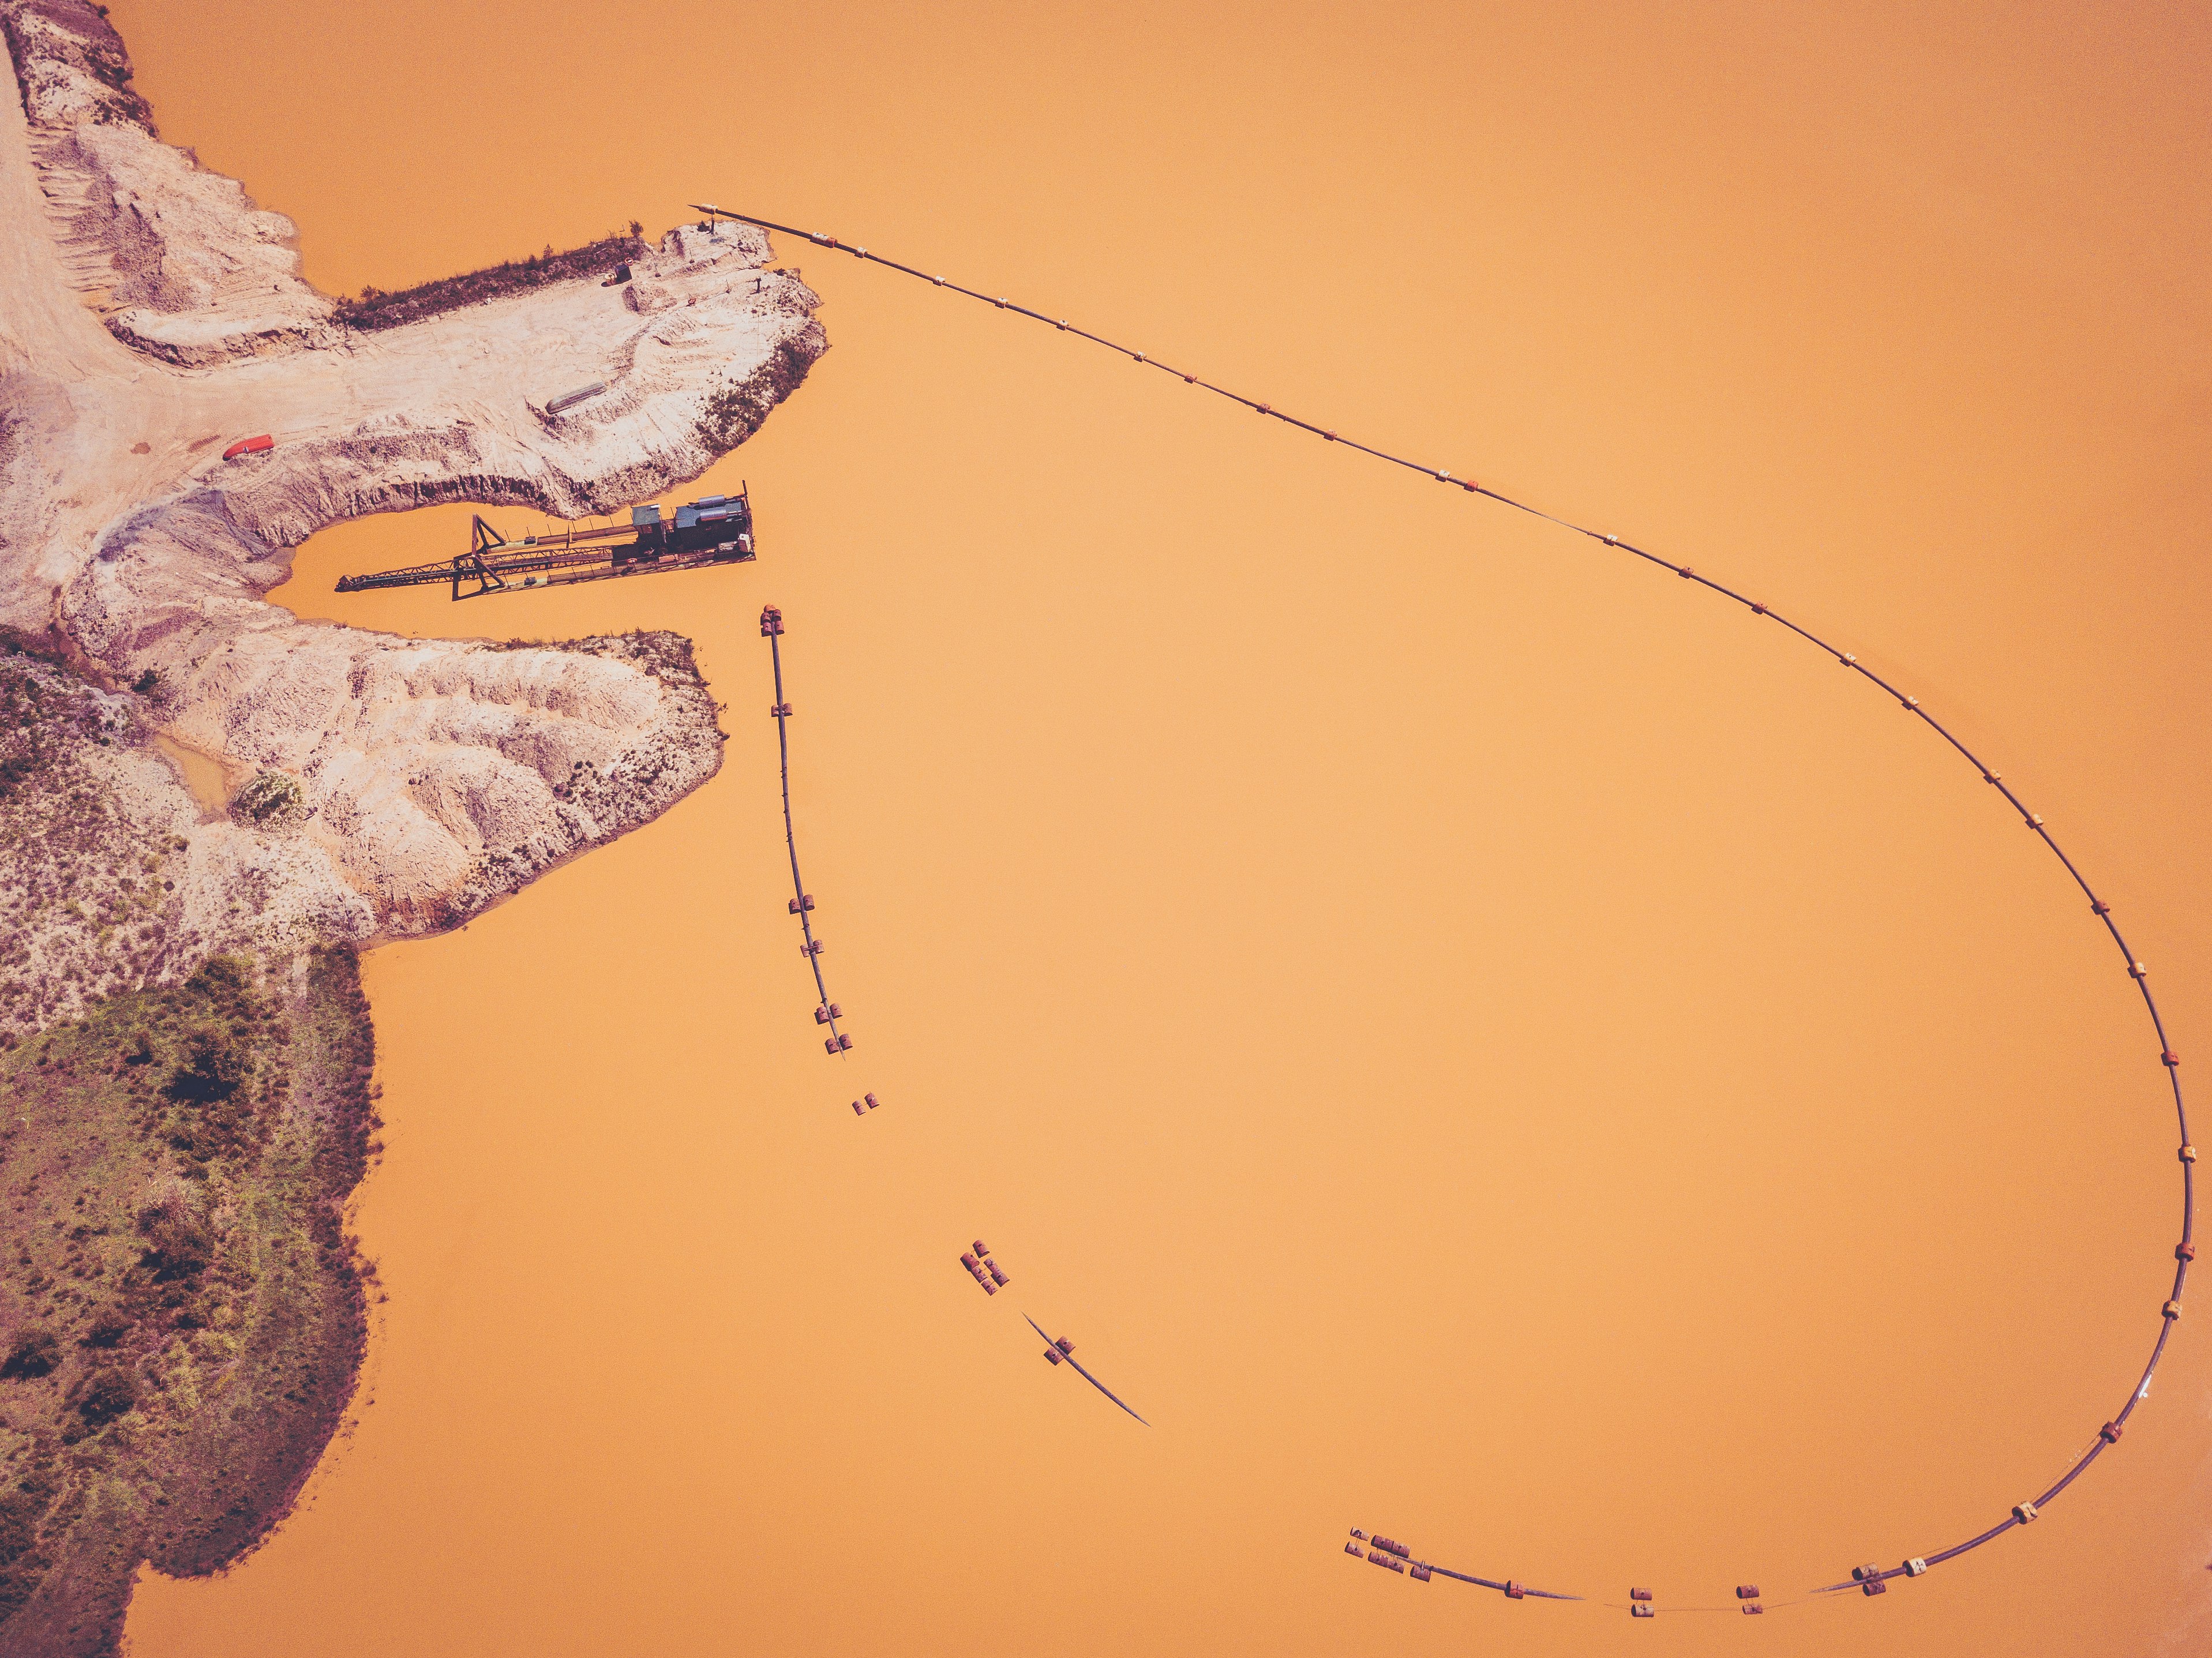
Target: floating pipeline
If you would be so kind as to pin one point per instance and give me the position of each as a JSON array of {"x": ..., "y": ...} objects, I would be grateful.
[
  {"x": 826, "y": 1012},
  {"x": 1868, "y": 1580}
]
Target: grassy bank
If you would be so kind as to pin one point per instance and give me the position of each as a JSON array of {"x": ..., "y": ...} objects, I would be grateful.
[{"x": 181, "y": 1315}]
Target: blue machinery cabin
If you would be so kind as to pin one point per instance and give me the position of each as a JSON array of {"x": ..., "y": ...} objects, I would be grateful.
[{"x": 713, "y": 530}]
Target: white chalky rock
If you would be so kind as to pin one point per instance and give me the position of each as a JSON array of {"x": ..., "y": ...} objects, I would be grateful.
[{"x": 149, "y": 315}]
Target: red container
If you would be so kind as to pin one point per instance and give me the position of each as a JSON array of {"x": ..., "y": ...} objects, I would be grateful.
[
  {"x": 1514, "y": 1591},
  {"x": 1747, "y": 1591}
]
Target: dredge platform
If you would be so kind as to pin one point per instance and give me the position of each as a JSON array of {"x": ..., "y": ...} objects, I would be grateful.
[{"x": 713, "y": 530}]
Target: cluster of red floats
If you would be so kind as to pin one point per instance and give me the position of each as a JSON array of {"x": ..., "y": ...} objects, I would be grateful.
[
  {"x": 1393, "y": 1557},
  {"x": 1641, "y": 1605},
  {"x": 978, "y": 1261}
]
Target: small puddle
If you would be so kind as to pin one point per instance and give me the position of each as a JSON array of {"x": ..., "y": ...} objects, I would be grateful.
[{"x": 203, "y": 776}]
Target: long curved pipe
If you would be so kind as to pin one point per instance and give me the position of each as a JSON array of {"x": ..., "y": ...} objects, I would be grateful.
[
  {"x": 2184, "y": 1252},
  {"x": 772, "y": 626}
]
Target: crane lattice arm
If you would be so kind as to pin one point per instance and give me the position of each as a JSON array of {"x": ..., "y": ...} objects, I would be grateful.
[{"x": 717, "y": 530}]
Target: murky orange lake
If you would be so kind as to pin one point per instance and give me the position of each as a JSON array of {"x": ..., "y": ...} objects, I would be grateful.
[{"x": 1475, "y": 1037}]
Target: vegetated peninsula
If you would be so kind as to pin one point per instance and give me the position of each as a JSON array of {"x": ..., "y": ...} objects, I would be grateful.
[{"x": 187, "y": 1098}]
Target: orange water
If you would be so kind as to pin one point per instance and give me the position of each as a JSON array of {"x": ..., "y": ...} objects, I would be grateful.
[
  {"x": 1476, "y": 1038},
  {"x": 202, "y": 775}
]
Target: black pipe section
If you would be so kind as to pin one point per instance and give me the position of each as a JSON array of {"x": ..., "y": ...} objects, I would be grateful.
[{"x": 802, "y": 903}]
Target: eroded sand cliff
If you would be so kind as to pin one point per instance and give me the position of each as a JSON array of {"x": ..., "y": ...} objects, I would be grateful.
[{"x": 149, "y": 314}]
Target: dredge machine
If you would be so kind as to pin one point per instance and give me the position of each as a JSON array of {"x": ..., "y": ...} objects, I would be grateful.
[{"x": 713, "y": 530}]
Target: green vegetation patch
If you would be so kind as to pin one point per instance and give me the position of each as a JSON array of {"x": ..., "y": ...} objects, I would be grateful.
[
  {"x": 375, "y": 309},
  {"x": 272, "y": 800},
  {"x": 734, "y": 411},
  {"x": 181, "y": 1316}
]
